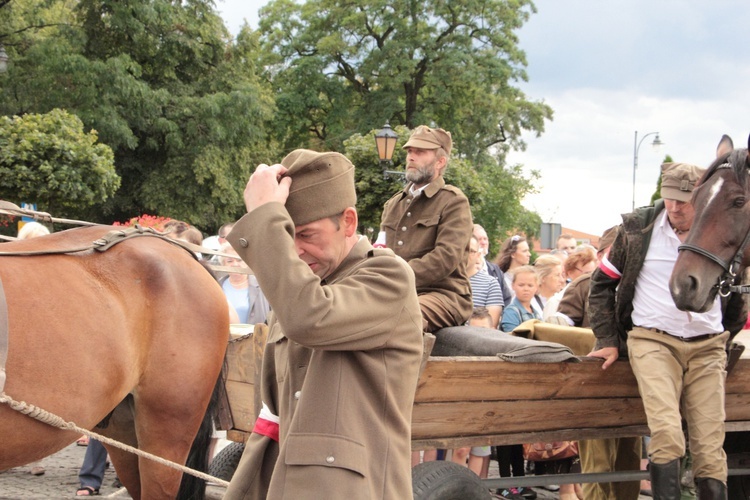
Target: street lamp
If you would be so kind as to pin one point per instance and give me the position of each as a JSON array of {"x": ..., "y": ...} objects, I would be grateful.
[
  {"x": 385, "y": 141},
  {"x": 636, "y": 146}
]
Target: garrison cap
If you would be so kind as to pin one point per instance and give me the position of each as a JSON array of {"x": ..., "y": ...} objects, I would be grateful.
[
  {"x": 425, "y": 137},
  {"x": 322, "y": 185}
]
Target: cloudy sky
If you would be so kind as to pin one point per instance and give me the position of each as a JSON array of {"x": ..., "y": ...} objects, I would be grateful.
[{"x": 608, "y": 69}]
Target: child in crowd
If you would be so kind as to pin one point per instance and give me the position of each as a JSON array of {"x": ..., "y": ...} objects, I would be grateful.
[
  {"x": 480, "y": 316},
  {"x": 525, "y": 284}
]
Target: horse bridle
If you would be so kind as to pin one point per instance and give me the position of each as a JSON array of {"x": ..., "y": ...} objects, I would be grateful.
[{"x": 726, "y": 282}]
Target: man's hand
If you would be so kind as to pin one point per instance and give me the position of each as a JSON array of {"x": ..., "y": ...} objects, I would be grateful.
[
  {"x": 264, "y": 186},
  {"x": 609, "y": 354}
]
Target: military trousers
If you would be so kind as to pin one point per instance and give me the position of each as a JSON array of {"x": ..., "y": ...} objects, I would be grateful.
[{"x": 611, "y": 455}]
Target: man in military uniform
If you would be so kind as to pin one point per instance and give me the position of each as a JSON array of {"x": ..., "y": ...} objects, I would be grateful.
[
  {"x": 345, "y": 340},
  {"x": 429, "y": 225}
]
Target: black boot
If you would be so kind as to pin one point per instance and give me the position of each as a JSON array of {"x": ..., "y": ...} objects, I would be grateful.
[
  {"x": 708, "y": 488},
  {"x": 665, "y": 480}
]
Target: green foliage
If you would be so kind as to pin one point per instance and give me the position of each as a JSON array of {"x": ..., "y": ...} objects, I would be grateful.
[
  {"x": 657, "y": 193},
  {"x": 49, "y": 160},
  {"x": 165, "y": 86},
  {"x": 497, "y": 203},
  {"x": 341, "y": 68},
  {"x": 189, "y": 112}
]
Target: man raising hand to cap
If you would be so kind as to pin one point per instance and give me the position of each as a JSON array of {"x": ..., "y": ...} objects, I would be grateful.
[{"x": 344, "y": 346}]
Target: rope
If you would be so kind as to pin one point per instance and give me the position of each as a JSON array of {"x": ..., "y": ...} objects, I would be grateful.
[{"x": 56, "y": 421}]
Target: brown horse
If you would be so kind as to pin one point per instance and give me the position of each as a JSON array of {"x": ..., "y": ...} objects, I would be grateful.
[
  {"x": 142, "y": 324},
  {"x": 717, "y": 249}
]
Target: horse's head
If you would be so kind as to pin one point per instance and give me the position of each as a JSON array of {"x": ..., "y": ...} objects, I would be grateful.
[{"x": 720, "y": 232}]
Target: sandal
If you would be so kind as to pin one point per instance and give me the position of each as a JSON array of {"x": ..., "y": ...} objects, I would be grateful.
[
  {"x": 82, "y": 441},
  {"x": 87, "y": 491}
]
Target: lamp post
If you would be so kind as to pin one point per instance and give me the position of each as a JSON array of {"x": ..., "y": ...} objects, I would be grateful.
[
  {"x": 385, "y": 142},
  {"x": 3, "y": 59},
  {"x": 636, "y": 146}
]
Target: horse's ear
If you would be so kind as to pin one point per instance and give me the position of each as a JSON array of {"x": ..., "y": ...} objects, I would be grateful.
[{"x": 725, "y": 145}]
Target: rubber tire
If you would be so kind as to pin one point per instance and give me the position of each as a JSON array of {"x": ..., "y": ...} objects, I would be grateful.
[
  {"x": 225, "y": 462},
  {"x": 738, "y": 487},
  {"x": 443, "y": 480}
]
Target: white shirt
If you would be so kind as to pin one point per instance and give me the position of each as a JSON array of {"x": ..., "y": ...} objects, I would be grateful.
[
  {"x": 417, "y": 192},
  {"x": 653, "y": 306}
]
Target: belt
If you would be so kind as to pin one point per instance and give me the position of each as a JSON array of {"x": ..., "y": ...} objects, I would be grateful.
[{"x": 697, "y": 338}]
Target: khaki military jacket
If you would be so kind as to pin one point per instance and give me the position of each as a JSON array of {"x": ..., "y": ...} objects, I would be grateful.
[
  {"x": 431, "y": 232},
  {"x": 340, "y": 369}
]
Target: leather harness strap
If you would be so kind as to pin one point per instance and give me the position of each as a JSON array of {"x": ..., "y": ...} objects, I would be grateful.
[{"x": 119, "y": 235}]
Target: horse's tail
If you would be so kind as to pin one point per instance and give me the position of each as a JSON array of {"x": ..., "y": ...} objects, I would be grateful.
[{"x": 191, "y": 487}]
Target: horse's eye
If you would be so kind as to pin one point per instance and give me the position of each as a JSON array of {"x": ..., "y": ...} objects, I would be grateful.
[{"x": 739, "y": 202}]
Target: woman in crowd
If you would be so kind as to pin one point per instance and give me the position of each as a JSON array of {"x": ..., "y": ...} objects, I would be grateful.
[
  {"x": 514, "y": 253},
  {"x": 249, "y": 305},
  {"x": 551, "y": 280},
  {"x": 582, "y": 261}
]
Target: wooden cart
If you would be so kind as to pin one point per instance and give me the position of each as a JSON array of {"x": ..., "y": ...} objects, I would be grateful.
[{"x": 475, "y": 401}]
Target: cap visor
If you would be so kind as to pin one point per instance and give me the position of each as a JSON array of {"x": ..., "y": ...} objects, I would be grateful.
[
  {"x": 676, "y": 194},
  {"x": 421, "y": 144}
]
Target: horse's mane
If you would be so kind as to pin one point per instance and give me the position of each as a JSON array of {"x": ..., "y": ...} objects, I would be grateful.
[{"x": 737, "y": 160}]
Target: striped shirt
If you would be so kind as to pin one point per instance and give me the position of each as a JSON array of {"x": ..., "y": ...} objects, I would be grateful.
[{"x": 485, "y": 291}]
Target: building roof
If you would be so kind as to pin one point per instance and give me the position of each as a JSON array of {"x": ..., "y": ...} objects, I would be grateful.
[{"x": 580, "y": 236}]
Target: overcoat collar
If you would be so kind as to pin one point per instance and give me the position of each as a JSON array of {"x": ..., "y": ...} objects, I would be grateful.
[
  {"x": 356, "y": 255},
  {"x": 431, "y": 189}
]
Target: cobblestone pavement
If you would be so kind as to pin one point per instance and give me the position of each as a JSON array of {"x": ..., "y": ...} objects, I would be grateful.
[{"x": 60, "y": 480}]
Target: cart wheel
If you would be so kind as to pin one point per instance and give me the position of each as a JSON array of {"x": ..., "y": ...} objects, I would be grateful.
[
  {"x": 225, "y": 462},
  {"x": 441, "y": 480}
]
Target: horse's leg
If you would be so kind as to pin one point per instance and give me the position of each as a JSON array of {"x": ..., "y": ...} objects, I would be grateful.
[
  {"x": 122, "y": 428},
  {"x": 167, "y": 422}
]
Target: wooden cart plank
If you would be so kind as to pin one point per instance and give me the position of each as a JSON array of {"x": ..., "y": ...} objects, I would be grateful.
[
  {"x": 488, "y": 378},
  {"x": 438, "y": 420}
]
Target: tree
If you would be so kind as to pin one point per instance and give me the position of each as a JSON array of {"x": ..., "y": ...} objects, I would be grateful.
[
  {"x": 341, "y": 67},
  {"x": 657, "y": 193},
  {"x": 49, "y": 160},
  {"x": 162, "y": 82}
]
